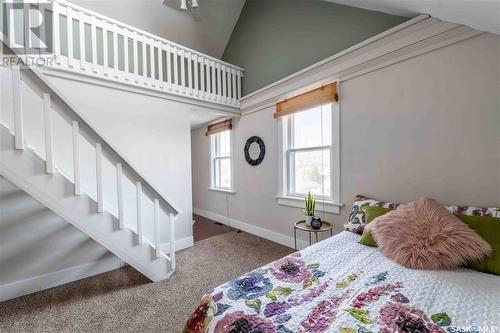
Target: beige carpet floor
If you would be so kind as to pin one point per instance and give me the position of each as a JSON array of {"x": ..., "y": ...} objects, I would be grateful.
[{"x": 125, "y": 301}]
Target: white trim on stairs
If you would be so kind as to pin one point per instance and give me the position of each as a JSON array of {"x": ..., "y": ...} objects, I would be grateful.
[{"x": 252, "y": 229}]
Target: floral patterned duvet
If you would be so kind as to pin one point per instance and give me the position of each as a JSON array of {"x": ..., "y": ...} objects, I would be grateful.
[{"x": 339, "y": 285}]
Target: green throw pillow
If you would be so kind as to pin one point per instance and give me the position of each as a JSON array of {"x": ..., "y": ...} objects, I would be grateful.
[
  {"x": 371, "y": 213},
  {"x": 489, "y": 229}
]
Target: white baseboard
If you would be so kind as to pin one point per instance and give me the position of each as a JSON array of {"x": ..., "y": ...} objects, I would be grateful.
[
  {"x": 54, "y": 279},
  {"x": 252, "y": 229},
  {"x": 180, "y": 244}
]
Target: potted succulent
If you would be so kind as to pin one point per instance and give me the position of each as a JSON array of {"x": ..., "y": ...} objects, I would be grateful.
[{"x": 309, "y": 208}]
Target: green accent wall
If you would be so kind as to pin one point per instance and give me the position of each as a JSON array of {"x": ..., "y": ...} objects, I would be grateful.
[{"x": 275, "y": 38}]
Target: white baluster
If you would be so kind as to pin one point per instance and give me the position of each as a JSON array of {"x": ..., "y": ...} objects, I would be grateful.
[
  {"x": 176, "y": 70},
  {"x": 125, "y": 54},
  {"x": 27, "y": 32},
  {"x": 18, "y": 108},
  {"x": 144, "y": 61},
  {"x": 202, "y": 77},
  {"x": 160, "y": 64},
  {"x": 169, "y": 68},
  {"x": 119, "y": 191},
  {"x": 126, "y": 66},
  {"x": 105, "y": 46},
  {"x": 218, "y": 75},
  {"x": 183, "y": 71},
  {"x": 69, "y": 22},
  {"x": 81, "y": 25},
  {"x": 56, "y": 32},
  {"x": 238, "y": 74},
  {"x": 140, "y": 235},
  {"x": 171, "y": 218},
  {"x": 152, "y": 61},
  {"x": 233, "y": 79},
  {"x": 115, "y": 50},
  {"x": 196, "y": 64},
  {"x": 11, "y": 24},
  {"x": 190, "y": 74},
  {"x": 213, "y": 80},
  {"x": 93, "y": 41},
  {"x": 135, "y": 57},
  {"x": 224, "y": 82},
  {"x": 47, "y": 120},
  {"x": 98, "y": 159},
  {"x": 157, "y": 228},
  {"x": 43, "y": 32},
  {"x": 76, "y": 158}
]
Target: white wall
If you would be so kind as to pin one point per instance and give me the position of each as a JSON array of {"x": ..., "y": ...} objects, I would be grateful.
[
  {"x": 206, "y": 30},
  {"x": 428, "y": 126}
]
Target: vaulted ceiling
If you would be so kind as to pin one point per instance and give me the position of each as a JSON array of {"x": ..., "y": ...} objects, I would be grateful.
[
  {"x": 209, "y": 27},
  {"x": 483, "y": 15},
  {"x": 206, "y": 29}
]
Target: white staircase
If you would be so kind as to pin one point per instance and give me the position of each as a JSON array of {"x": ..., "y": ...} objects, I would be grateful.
[
  {"x": 52, "y": 152},
  {"x": 77, "y": 174}
]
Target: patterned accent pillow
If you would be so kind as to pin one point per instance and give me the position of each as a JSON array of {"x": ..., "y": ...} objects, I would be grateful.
[
  {"x": 357, "y": 220},
  {"x": 475, "y": 211}
]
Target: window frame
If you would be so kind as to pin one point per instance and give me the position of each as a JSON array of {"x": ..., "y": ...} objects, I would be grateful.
[
  {"x": 329, "y": 204},
  {"x": 213, "y": 160}
]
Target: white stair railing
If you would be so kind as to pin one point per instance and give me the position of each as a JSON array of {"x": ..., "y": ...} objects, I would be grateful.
[
  {"x": 147, "y": 228},
  {"x": 92, "y": 44}
]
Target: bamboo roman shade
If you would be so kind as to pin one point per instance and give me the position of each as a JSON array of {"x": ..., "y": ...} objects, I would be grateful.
[
  {"x": 219, "y": 127},
  {"x": 307, "y": 100}
]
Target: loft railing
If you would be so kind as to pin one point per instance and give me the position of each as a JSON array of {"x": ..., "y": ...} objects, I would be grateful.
[{"x": 92, "y": 44}]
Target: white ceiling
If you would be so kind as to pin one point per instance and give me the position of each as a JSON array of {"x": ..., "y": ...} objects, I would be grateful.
[
  {"x": 199, "y": 118},
  {"x": 483, "y": 15}
]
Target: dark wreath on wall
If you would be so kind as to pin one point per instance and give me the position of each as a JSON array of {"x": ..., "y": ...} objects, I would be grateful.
[{"x": 255, "y": 150}]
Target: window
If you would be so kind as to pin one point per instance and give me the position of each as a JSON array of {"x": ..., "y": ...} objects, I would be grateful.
[
  {"x": 309, "y": 156},
  {"x": 221, "y": 161},
  {"x": 308, "y": 152}
]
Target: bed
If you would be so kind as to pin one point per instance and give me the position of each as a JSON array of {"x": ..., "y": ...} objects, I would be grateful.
[{"x": 339, "y": 285}]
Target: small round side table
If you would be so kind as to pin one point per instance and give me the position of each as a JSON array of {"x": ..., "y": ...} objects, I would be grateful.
[{"x": 301, "y": 225}]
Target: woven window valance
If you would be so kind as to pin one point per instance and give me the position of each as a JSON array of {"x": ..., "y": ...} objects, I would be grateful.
[
  {"x": 219, "y": 127},
  {"x": 322, "y": 95}
]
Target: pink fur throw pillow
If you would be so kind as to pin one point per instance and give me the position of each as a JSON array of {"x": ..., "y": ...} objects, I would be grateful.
[{"x": 425, "y": 235}]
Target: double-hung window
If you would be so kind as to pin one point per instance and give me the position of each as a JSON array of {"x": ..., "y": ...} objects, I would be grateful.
[
  {"x": 309, "y": 159},
  {"x": 309, "y": 152},
  {"x": 221, "y": 173}
]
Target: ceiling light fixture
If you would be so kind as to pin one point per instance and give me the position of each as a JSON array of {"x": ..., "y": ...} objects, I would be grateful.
[{"x": 189, "y": 4}]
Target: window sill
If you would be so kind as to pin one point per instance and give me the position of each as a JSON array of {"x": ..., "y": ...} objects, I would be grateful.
[
  {"x": 321, "y": 206},
  {"x": 221, "y": 190}
]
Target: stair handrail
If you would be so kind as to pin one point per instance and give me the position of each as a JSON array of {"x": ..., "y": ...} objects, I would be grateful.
[{"x": 41, "y": 76}]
